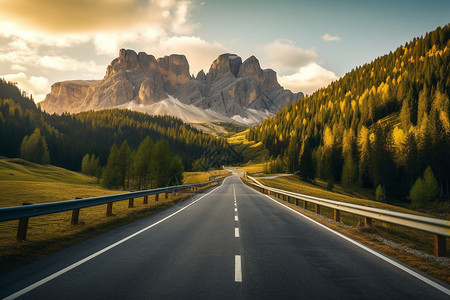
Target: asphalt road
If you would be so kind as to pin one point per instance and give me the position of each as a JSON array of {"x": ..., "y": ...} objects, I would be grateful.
[{"x": 231, "y": 243}]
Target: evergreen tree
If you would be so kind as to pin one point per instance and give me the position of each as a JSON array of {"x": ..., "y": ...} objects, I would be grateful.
[
  {"x": 86, "y": 165},
  {"x": 143, "y": 163},
  {"x": 306, "y": 166},
  {"x": 34, "y": 148},
  {"x": 124, "y": 163},
  {"x": 111, "y": 173},
  {"x": 349, "y": 172}
]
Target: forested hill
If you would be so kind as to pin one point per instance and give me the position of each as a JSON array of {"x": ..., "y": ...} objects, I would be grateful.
[
  {"x": 70, "y": 137},
  {"x": 380, "y": 125}
]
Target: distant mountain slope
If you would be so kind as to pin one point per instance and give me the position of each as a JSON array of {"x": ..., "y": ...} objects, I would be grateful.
[
  {"x": 379, "y": 125},
  {"x": 232, "y": 90},
  {"x": 71, "y": 136}
]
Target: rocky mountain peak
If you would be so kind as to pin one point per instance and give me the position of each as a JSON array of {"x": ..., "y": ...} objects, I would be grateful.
[
  {"x": 232, "y": 90},
  {"x": 251, "y": 68},
  {"x": 225, "y": 63},
  {"x": 174, "y": 69}
]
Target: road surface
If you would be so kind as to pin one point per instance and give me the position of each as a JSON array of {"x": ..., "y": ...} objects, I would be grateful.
[{"x": 229, "y": 243}]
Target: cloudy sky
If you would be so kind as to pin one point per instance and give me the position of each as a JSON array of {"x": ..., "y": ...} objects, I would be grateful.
[{"x": 308, "y": 43}]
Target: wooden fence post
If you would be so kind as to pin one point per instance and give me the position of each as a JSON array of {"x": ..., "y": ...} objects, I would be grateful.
[
  {"x": 440, "y": 245},
  {"x": 131, "y": 203},
  {"x": 75, "y": 215},
  {"x": 23, "y": 227},
  {"x": 337, "y": 215},
  {"x": 109, "y": 207}
]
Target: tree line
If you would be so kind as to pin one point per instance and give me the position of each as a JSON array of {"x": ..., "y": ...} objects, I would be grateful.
[
  {"x": 65, "y": 139},
  {"x": 384, "y": 125}
]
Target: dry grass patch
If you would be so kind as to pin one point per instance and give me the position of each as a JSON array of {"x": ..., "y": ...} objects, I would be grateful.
[{"x": 198, "y": 177}]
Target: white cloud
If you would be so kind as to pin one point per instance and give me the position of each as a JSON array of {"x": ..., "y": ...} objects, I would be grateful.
[
  {"x": 282, "y": 55},
  {"x": 36, "y": 85},
  {"x": 65, "y": 63},
  {"x": 308, "y": 79},
  {"x": 330, "y": 38},
  {"x": 180, "y": 23},
  {"x": 17, "y": 67}
]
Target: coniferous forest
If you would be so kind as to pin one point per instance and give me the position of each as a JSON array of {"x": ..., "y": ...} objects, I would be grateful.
[
  {"x": 103, "y": 136},
  {"x": 384, "y": 125}
]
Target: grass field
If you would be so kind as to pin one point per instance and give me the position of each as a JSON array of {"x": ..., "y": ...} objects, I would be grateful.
[
  {"x": 22, "y": 181},
  {"x": 352, "y": 225},
  {"x": 196, "y": 177},
  {"x": 252, "y": 152}
]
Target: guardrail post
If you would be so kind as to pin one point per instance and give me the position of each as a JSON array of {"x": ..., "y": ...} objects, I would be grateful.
[
  {"x": 367, "y": 222},
  {"x": 131, "y": 203},
  {"x": 296, "y": 201},
  {"x": 317, "y": 209},
  {"x": 337, "y": 215},
  {"x": 75, "y": 215},
  {"x": 145, "y": 199},
  {"x": 167, "y": 195},
  {"x": 305, "y": 204},
  {"x": 439, "y": 245},
  {"x": 109, "y": 209},
  {"x": 156, "y": 197},
  {"x": 23, "y": 227}
]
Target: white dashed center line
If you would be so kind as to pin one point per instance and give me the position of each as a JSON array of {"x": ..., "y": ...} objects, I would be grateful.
[
  {"x": 237, "y": 269},
  {"x": 237, "y": 258}
]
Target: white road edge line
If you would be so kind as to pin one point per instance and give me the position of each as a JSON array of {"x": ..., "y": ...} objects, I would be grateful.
[
  {"x": 237, "y": 269},
  {"x": 73, "y": 266},
  {"x": 236, "y": 232},
  {"x": 379, "y": 255}
]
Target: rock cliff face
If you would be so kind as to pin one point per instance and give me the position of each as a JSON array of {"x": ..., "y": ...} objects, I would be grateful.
[{"x": 232, "y": 90}]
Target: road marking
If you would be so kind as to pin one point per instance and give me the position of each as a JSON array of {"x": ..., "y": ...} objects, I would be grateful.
[
  {"x": 235, "y": 204},
  {"x": 237, "y": 269},
  {"x": 73, "y": 266},
  {"x": 236, "y": 218},
  {"x": 236, "y": 232},
  {"x": 379, "y": 255},
  {"x": 235, "y": 209}
]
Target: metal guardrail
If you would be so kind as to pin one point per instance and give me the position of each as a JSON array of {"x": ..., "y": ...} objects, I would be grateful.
[
  {"x": 23, "y": 213},
  {"x": 441, "y": 228},
  {"x": 27, "y": 211}
]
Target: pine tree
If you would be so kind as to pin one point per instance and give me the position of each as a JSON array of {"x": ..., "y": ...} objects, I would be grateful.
[
  {"x": 349, "y": 172},
  {"x": 306, "y": 166},
  {"x": 124, "y": 163},
  {"x": 111, "y": 174},
  {"x": 86, "y": 165},
  {"x": 34, "y": 148}
]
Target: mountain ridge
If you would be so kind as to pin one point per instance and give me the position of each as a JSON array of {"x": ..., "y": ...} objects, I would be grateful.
[{"x": 232, "y": 91}]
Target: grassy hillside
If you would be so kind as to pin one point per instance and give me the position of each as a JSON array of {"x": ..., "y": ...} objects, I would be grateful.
[
  {"x": 22, "y": 181},
  {"x": 252, "y": 151}
]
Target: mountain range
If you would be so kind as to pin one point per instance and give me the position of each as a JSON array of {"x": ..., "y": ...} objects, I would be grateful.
[{"x": 232, "y": 91}]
